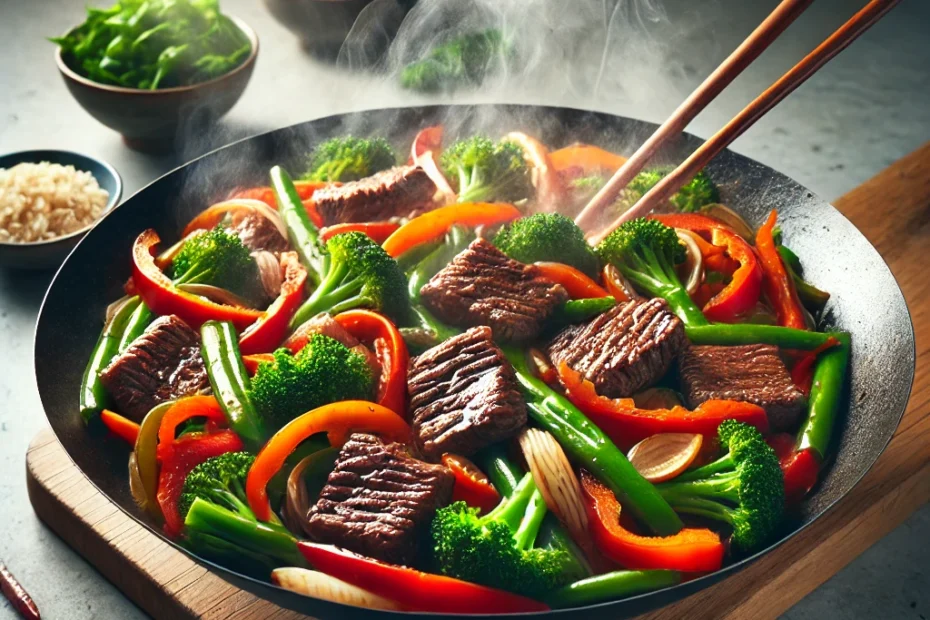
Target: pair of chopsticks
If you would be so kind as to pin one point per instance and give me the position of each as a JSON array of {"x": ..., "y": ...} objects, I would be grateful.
[{"x": 769, "y": 30}]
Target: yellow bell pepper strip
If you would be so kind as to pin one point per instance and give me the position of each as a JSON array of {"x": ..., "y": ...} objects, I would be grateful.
[
  {"x": 432, "y": 225},
  {"x": 124, "y": 428},
  {"x": 778, "y": 285},
  {"x": 147, "y": 459},
  {"x": 578, "y": 285},
  {"x": 588, "y": 158},
  {"x": 266, "y": 334},
  {"x": 162, "y": 297},
  {"x": 338, "y": 420}
]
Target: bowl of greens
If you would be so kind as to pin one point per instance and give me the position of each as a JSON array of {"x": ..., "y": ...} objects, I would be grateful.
[{"x": 154, "y": 70}]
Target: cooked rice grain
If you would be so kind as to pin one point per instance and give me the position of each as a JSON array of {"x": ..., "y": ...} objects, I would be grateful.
[{"x": 43, "y": 201}]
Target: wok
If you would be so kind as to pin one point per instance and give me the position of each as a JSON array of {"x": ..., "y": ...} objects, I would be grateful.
[{"x": 865, "y": 297}]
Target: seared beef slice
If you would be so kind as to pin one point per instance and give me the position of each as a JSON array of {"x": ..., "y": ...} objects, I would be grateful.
[
  {"x": 482, "y": 286},
  {"x": 463, "y": 396},
  {"x": 752, "y": 373},
  {"x": 396, "y": 192},
  {"x": 258, "y": 233},
  {"x": 623, "y": 350},
  {"x": 378, "y": 500},
  {"x": 162, "y": 364}
]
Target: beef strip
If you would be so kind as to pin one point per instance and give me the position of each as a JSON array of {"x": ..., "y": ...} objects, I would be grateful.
[
  {"x": 162, "y": 364},
  {"x": 463, "y": 396},
  {"x": 483, "y": 286},
  {"x": 401, "y": 191},
  {"x": 378, "y": 500},
  {"x": 257, "y": 233},
  {"x": 623, "y": 350},
  {"x": 326, "y": 325},
  {"x": 752, "y": 373}
]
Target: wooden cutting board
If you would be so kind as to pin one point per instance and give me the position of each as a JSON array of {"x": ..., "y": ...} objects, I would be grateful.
[{"x": 167, "y": 584}]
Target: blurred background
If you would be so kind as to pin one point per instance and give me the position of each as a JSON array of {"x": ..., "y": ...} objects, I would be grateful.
[{"x": 639, "y": 58}]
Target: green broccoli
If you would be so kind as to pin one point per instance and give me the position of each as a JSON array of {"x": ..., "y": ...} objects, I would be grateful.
[
  {"x": 324, "y": 371},
  {"x": 360, "y": 275},
  {"x": 744, "y": 488},
  {"x": 696, "y": 193},
  {"x": 218, "y": 258},
  {"x": 646, "y": 252},
  {"x": 349, "y": 159},
  {"x": 497, "y": 549},
  {"x": 482, "y": 170},
  {"x": 547, "y": 237},
  {"x": 220, "y": 526},
  {"x": 463, "y": 61}
]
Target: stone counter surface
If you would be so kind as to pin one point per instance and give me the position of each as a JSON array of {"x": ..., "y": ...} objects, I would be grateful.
[{"x": 863, "y": 111}]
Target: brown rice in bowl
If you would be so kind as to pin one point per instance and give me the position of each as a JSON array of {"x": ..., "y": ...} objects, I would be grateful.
[{"x": 44, "y": 201}]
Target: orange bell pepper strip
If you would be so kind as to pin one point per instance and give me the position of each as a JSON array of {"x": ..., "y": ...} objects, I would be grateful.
[
  {"x": 124, "y": 428},
  {"x": 414, "y": 590},
  {"x": 690, "y": 550},
  {"x": 778, "y": 285},
  {"x": 432, "y": 225},
  {"x": 251, "y": 362},
  {"x": 578, "y": 285},
  {"x": 162, "y": 297},
  {"x": 550, "y": 190},
  {"x": 626, "y": 424},
  {"x": 377, "y": 231},
  {"x": 390, "y": 349},
  {"x": 338, "y": 420},
  {"x": 589, "y": 158},
  {"x": 266, "y": 333},
  {"x": 471, "y": 485}
]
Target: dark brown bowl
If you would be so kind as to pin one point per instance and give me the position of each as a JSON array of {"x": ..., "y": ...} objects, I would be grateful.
[
  {"x": 150, "y": 120},
  {"x": 321, "y": 25}
]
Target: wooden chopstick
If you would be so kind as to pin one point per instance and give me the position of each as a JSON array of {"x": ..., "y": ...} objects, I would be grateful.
[
  {"x": 833, "y": 45},
  {"x": 763, "y": 36}
]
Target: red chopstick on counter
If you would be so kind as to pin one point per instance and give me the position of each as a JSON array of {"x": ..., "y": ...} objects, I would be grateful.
[{"x": 15, "y": 593}]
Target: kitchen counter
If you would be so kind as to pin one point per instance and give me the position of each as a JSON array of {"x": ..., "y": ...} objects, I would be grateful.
[{"x": 866, "y": 109}]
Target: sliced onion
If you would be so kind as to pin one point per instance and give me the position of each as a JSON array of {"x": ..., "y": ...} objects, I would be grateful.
[
  {"x": 546, "y": 180},
  {"x": 217, "y": 294},
  {"x": 236, "y": 204},
  {"x": 664, "y": 456},
  {"x": 694, "y": 261},
  {"x": 731, "y": 218},
  {"x": 557, "y": 481},
  {"x": 320, "y": 585},
  {"x": 657, "y": 398},
  {"x": 297, "y": 502},
  {"x": 542, "y": 365},
  {"x": 136, "y": 488},
  {"x": 617, "y": 285},
  {"x": 269, "y": 270}
]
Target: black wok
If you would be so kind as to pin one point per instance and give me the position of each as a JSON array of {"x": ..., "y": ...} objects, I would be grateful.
[{"x": 866, "y": 299}]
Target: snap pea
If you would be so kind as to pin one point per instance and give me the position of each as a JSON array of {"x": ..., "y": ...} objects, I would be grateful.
[
  {"x": 93, "y": 394},
  {"x": 610, "y": 586},
  {"x": 301, "y": 232},
  {"x": 230, "y": 382},
  {"x": 745, "y": 333},
  {"x": 140, "y": 319},
  {"x": 825, "y": 397}
]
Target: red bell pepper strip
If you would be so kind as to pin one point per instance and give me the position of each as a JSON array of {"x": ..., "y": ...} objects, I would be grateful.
[
  {"x": 471, "y": 485},
  {"x": 800, "y": 468},
  {"x": 626, "y": 424},
  {"x": 802, "y": 373},
  {"x": 588, "y": 158},
  {"x": 691, "y": 549},
  {"x": 338, "y": 420},
  {"x": 434, "y": 224},
  {"x": 578, "y": 285},
  {"x": 390, "y": 349},
  {"x": 377, "y": 231},
  {"x": 124, "y": 428},
  {"x": 412, "y": 589},
  {"x": 162, "y": 297},
  {"x": 266, "y": 334},
  {"x": 251, "y": 362},
  {"x": 778, "y": 284},
  {"x": 186, "y": 409},
  {"x": 742, "y": 293}
]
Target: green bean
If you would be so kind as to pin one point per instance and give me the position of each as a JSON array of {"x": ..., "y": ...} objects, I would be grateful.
[
  {"x": 303, "y": 235},
  {"x": 137, "y": 323},
  {"x": 744, "y": 333},
  {"x": 93, "y": 394},
  {"x": 578, "y": 310},
  {"x": 826, "y": 397},
  {"x": 611, "y": 586}
]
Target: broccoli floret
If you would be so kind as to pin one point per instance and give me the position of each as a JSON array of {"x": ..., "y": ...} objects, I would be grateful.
[
  {"x": 698, "y": 192},
  {"x": 744, "y": 488},
  {"x": 547, "y": 237},
  {"x": 220, "y": 480},
  {"x": 646, "y": 252},
  {"x": 349, "y": 159},
  {"x": 583, "y": 189},
  {"x": 324, "y": 371},
  {"x": 218, "y": 258},
  {"x": 360, "y": 275},
  {"x": 463, "y": 61},
  {"x": 481, "y": 170},
  {"x": 497, "y": 549}
]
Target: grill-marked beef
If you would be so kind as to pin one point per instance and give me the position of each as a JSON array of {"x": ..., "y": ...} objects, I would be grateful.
[
  {"x": 257, "y": 233},
  {"x": 752, "y": 373},
  {"x": 378, "y": 500},
  {"x": 623, "y": 350},
  {"x": 397, "y": 192},
  {"x": 162, "y": 364},
  {"x": 483, "y": 286},
  {"x": 463, "y": 396}
]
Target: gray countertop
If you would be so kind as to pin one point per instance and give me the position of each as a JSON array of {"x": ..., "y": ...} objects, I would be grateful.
[{"x": 866, "y": 109}]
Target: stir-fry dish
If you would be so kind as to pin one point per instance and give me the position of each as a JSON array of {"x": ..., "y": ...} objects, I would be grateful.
[{"x": 418, "y": 387}]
